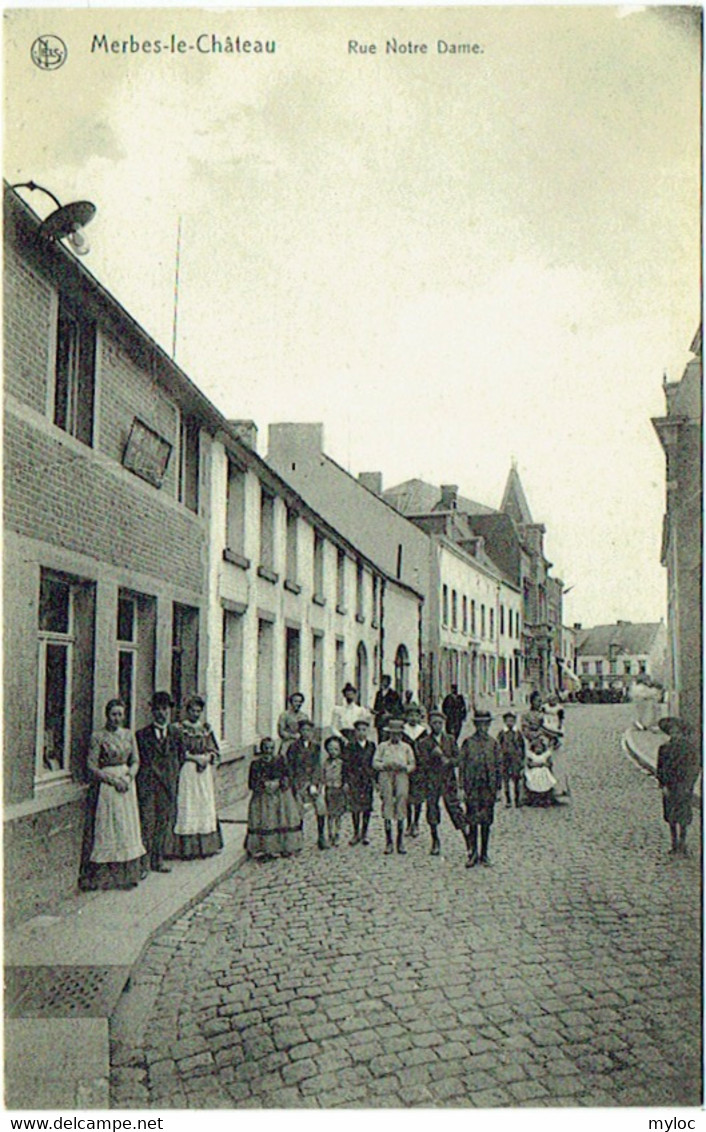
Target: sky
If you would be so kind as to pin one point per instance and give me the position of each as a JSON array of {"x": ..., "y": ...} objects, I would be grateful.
[{"x": 453, "y": 261}]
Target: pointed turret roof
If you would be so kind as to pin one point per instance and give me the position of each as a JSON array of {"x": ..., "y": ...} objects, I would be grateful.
[{"x": 514, "y": 501}]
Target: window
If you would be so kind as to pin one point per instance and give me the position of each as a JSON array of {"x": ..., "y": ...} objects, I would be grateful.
[
  {"x": 292, "y": 544},
  {"x": 292, "y": 661},
  {"x": 402, "y": 666},
  {"x": 189, "y": 463},
  {"x": 473, "y": 617},
  {"x": 642, "y": 667},
  {"x": 502, "y": 620},
  {"x": 318, "y": 565},
  {"x": 482, "y": 620},
  {"x": 361, "y": 673},
  {"x": 56, "y": 644},
  {"x": 185, "y": 652},
  {"x": 464, "y": 613},
  {"x": 454, "y": 609},
  {"x": 445, "y": 605},
  {"x": 74, "y": 385},
  {"x": 492, "y": 624},
  {"x": 509, "y": 623},
  {"x": 235, "y": 509},
  {"x": 265, "y": 672},
  {"x": 341, "y": 582},
  {"x": 627, "y": 668},
  {"x": 376, "y": 599},
  {"x": 127, "y": 649},
  {"x": 267, "y": 529},
  {"x": 585, "y": 667},
  {"x": 359, "y": 592},
  {"x": 65, "y": 675},
  {"x": 399, "y": 560},
  {"x": 340, "y": 666},
  {"x": 232, "y": 678},
  {"x": 599, "y": 668}
]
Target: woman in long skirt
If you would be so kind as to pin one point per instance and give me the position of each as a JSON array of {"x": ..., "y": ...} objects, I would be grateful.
[
  {"x": 113, "y": 853},
  {"x": 274, "y": 820},
  {"x": 678, "y": 768},
  {"x": 197, "y": 831}
]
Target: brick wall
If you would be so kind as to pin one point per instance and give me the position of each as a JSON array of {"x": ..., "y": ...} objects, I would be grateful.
[
  {"x": 128, "y": 391},
  {"x": 28, "y": 339},
  {"x": 55, "y": 493}
]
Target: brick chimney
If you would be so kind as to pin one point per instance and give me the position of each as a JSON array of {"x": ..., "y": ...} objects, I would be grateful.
[
  {"x": 449, "y": 496},
  {"x": 371, "y": 480},
  {"x": 246, "y": 431}
]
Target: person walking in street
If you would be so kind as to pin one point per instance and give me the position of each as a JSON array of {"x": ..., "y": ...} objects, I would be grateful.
[
  {"x": 197, "y": 830},
  {"x": 289, "y": 720},
  {"x": 346, "y": 715},
  {"x": 334, "y": 787},
  {"x": 678, "y": 768},
  {"x": 113, "y": 854},
  {"x": 455, "y": 712},
  {"x": 436, "y": 755},
  {"x": 512, "y": 753},
  {"x": 480, "y": 782},
  {"x": 413, "y": 731},
  {"x": 387, "y": 705},
  {"x": 305, "y": 763},
  {"x": 394, "y": 761},
  {"x": 160, "y": 752},
  {"x": 359, "y": 777},
  {"x": 274, "y": 821}
]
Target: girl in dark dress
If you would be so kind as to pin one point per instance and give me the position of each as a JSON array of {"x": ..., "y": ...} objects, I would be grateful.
[
  {"x": 677, "y": 771},
  {"x": 274, "y": 820}
]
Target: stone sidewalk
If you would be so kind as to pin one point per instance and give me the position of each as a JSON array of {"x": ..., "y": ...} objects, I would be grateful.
[{"x": 65, "y": 973}]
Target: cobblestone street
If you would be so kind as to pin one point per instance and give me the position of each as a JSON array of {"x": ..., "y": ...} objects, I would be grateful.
[{"x": 568, "y": 973}]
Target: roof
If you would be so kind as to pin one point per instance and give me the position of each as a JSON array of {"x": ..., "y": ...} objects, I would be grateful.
[
  {"x": 416, "y": 497},
  {"x": 514, "y": 499},
  {"x": 624, "y": 636}
]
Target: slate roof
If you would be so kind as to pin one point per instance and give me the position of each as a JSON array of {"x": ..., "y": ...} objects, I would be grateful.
[
  {"x": 635, "y": 639},
  {"x": 416, "y": 497}
]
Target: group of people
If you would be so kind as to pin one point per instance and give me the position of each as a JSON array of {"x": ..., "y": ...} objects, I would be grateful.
[
  {"x": 151, "y": 795},
  {"x": 413, "y": 765}
]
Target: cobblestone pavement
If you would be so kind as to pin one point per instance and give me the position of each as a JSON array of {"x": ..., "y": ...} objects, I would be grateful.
[{"x": 566, "y": 974}]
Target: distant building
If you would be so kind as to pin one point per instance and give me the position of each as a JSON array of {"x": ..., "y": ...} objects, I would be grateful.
[
  {"x": 471, "y": 618},
  {"x": 514, "y": 544},
  {"x": 680, "y": 434},
  {"x": 615, "y": 656}
]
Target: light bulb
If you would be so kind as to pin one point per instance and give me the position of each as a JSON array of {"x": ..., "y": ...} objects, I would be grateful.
[{"x": 78, "y": 242}]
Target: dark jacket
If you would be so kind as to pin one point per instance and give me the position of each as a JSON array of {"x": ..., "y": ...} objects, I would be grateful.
[
  {"x": 454, "y": 708},
  {"x": 156, "y": 782},
  {"x": 512, "y": 751},
  {"x": 304, "y": 765},
  {"x": 480, "y": 776}
]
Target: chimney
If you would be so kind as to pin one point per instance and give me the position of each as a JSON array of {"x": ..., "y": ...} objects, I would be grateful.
[
  {"x": 449, "y": 496},
  {"x": 246, "y": 432},
  {"x": 371, "y": 480}
]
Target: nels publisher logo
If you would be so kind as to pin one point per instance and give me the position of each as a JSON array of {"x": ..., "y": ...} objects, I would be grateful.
[{"x": 49, "y": 52}]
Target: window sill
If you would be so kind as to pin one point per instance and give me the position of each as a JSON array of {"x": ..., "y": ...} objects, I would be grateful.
[
  {"x": 341, "y": 609},
  {"x": 267, "y": 574},
  {"x": 236, "y": 559},
  {"x": 293, "y": 587},
  {"x": 318, "y": 599},
  {"x": 360, "y": 618}
]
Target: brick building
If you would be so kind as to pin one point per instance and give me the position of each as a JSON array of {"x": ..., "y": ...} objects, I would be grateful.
[{"x": 106, "y": 449}]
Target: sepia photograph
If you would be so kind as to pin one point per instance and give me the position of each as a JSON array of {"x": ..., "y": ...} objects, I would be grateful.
[{"x": 352, "y": 557}]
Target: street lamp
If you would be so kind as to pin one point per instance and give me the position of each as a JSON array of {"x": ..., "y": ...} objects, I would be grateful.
[{"x": 67, "y": 221}]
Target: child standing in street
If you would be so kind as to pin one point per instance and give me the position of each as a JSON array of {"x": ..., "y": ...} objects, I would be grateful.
[{"x": 334, "y": 789}]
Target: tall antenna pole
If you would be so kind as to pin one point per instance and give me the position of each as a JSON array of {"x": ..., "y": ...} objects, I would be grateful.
[{"x": 176, "y": 291}]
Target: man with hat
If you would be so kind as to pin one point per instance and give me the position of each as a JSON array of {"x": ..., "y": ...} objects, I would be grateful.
[
  {"x": 512, "y": 752},
  {"x": 436, "y": 755},
  {"x": 305, "y": 765},
  {"x": 394, "y": 761},
  {"x": 480, "y": 783},
  {"x": 346, "y": 715},
  {"x": 387, "y": 705},
  {"x": 160, "y": 751}
]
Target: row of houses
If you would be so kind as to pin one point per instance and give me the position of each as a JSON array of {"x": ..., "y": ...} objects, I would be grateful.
[
  {"x": 149, "y": 545},
  {"x": 617, "y": 656}
]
